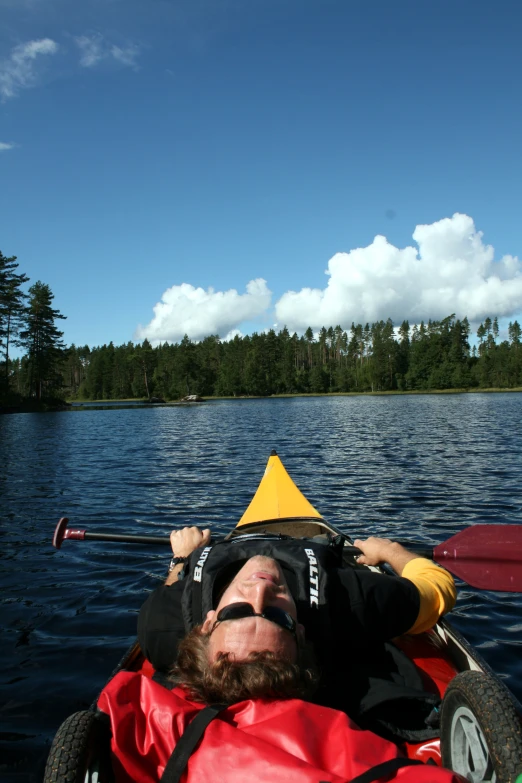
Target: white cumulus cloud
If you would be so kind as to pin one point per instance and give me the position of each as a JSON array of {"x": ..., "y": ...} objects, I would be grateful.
[
  {"x": 95, "y": 48},
  {"x": 5, "y": 146},
  {"x": 450, "y": 271},
  {"x": 19, "y": 69},
  {"x": 198, "y": 313}
]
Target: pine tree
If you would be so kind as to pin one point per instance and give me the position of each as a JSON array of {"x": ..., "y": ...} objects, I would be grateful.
[
  {"x": 187, "y": 367},
  {"x": 12, "y": 302},
  {"x": 209, "y": 362},
  {"x": 515, "y": 333},
  {"x": 494, "y": 328},
  {"x": 309, "y": 337},
  {"x": 144, "y": 361},
  {"x": 403, "y": 352},
  {"x": 42, "y": 341},
  {"x": 323, "y": 334},
  {"x": 355, "y": 354}
]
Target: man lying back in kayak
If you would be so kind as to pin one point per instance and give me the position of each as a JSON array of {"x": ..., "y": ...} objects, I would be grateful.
[
  {"x": 242, "y": 620},
  {"x": 239, "y": 623}
]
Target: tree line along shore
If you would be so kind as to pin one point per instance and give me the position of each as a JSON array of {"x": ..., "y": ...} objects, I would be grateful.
[{"x": 377, "y": 357}]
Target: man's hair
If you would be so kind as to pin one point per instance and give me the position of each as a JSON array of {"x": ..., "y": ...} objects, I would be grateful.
[{"x": 262, "y": 675}]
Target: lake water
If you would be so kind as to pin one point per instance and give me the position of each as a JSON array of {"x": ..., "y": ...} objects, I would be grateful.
[{"x": 408, "y": 467}]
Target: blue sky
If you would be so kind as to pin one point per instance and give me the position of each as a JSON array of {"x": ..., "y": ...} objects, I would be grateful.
[{"x": 160, "y": 159}]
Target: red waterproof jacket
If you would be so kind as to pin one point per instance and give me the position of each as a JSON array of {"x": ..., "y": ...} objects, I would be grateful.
[{"x": 259, "y": 741}]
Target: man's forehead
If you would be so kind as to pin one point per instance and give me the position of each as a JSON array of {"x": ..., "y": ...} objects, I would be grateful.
[{"x": 249, "y": 634}]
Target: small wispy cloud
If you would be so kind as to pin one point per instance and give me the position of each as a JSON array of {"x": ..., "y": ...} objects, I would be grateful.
[
  {"x": 91, "y": 48},
  {"x": 19, "y": 70},
  {"x": 127, "y": 55},
  {"x": 5, "y": 146},
  {"x": 95, "y": 48}
]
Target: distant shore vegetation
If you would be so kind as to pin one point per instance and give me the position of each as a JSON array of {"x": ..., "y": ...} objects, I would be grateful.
[
  {"x": 435, "y": 356},
  {"x": 431, "y": 356}
]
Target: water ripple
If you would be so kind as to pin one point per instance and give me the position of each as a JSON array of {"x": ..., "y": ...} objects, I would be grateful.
[{"x": 411, "y": 468}]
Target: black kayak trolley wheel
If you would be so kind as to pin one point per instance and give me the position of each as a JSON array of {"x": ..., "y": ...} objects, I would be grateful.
[
  {"x": 480, "y": 730},
  {"x": 80, "y": 751}
]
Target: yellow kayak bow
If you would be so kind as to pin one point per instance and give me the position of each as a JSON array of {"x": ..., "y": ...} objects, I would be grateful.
[{"x": 277, "y": 497}]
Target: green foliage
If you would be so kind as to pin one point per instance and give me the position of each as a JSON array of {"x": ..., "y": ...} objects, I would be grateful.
[
  {"x": 372, "y": 357},
  {"x": 43, "y": 343},
  {"x": 12, "y": 311},
  {"x": 369, "y": 358}
]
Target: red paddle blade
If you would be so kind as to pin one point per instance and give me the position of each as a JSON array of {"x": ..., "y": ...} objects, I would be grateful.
[{"x": 485, "y": 556}]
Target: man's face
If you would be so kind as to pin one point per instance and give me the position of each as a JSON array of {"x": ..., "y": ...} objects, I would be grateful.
[{"x": 260, "y": 583}]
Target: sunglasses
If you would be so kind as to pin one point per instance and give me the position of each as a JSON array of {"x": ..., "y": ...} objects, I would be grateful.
[{"x": 242, "y": 609}]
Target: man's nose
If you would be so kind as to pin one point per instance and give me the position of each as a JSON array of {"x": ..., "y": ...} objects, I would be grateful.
[{"x": 260, "y": 591}]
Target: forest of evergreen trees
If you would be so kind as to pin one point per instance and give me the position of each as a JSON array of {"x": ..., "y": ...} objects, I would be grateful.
[
  {"x": 375, "y": 357},
  {"x": 28, "y": 321}
]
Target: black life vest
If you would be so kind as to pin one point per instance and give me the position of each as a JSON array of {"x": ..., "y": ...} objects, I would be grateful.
[{"x": 305, "y": 564}]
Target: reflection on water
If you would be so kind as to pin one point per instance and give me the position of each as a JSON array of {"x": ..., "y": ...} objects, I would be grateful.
[
  {"x": 125, "y": 404},
  {"x": 417, "y": 467}
]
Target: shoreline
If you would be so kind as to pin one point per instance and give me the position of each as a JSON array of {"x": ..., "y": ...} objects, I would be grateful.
[
  {"x": 67, "y": 405},
  {"x": 492, "y": 390}
]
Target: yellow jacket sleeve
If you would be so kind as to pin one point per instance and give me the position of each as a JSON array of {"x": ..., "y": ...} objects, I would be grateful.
[{"x": 436, "y": 588}]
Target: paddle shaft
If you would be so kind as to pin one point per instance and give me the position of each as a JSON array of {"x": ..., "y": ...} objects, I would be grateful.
[
  {"x": 127, "y": 539},
  {"x": 63, "y": 533},
  {"x": 485, "y": 556},
  {"x": 86, "y": 535}
]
